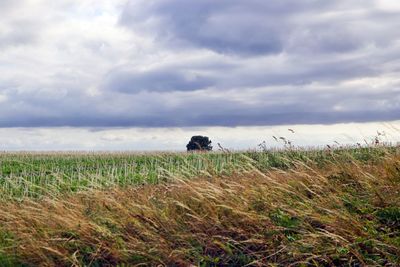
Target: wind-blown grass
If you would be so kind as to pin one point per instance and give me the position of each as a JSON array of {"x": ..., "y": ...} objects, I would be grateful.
[
  {"x": 299, "y": 208},
  {"x": 38, "y": 174}
]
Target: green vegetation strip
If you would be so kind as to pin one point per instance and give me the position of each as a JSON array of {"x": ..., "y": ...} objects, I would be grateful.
[{"x": 38, "y": 174}]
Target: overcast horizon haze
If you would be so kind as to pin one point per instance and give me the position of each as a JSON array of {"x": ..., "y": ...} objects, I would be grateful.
[{"x": 148, "y": 74}]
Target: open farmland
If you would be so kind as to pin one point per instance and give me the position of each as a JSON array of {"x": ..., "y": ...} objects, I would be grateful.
[
  {"x": 318, "y": 207},
  {"x": 35, "y": 174}
]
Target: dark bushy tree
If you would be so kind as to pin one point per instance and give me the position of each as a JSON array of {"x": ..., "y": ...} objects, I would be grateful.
[{"x": 199, "y": 142}]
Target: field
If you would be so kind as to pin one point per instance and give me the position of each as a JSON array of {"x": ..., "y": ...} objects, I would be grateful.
[{"x": 299, "y": 207}]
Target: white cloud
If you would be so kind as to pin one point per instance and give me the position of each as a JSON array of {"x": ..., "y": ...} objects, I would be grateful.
[
  {"x": 389, "y": 5},
  {"x": 3, "y": 98}
]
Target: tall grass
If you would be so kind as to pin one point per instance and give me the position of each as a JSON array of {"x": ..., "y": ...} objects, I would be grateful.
[
  {"x": 39, "y": 174},
  {"x": 280, "y": 208}
]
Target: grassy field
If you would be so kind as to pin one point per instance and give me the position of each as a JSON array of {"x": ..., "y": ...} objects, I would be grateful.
[
  {"x": 31, "y": 174},
  {"x": 316, "y": 207}
]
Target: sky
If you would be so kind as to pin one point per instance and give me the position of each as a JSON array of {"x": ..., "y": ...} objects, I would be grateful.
[{"x": 148, "y": 74}]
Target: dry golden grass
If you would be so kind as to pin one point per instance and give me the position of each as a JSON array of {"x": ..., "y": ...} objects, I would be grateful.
[{"x": 344, "y": 214}]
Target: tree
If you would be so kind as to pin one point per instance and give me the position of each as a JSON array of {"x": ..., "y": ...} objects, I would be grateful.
[{"x": 199, "y": 142}]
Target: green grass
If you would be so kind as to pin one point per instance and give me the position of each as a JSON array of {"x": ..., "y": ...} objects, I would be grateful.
[
  {"x": 7, "y": 241},
  {"x": 37, "y": 174},
  {"x": 34, "y": 175}
]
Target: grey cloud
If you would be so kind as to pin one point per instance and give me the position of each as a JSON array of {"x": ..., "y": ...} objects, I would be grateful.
[
  {"x": 301, "y": 72},
  {"x": 210, "y": 63},
  {"x": 18, "y": 26},
  {"x": 6, "y": 5},
  {"x": 234, "y": 108},
  {"x": 253, "y": 27},
  {"x": 157, "y": 80},
  {"x": 220, "y": 26},
  {"x": 19, "y": 32},
  {"x": 194, "y": 76},
  {"x": 16, "y": 38}
]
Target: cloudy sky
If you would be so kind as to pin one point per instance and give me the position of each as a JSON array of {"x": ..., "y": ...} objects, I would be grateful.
[{"x": 90, "y": 74}]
